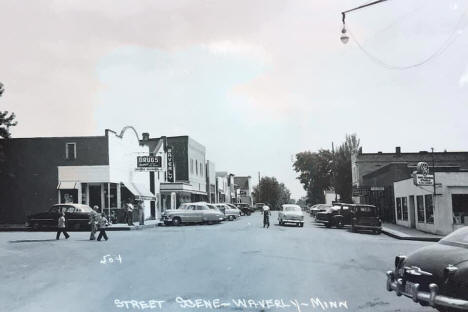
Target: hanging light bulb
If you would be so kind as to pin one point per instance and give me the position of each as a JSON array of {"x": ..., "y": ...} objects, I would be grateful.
[{"x": 344, "y": 37}]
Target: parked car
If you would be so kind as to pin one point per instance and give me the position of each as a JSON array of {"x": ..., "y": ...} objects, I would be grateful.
[
  {"x": 192, "y": 213},
  {"x": 318, "y": 208},
  {"x": 338, "y": 215},
  {"x": 291, "y": 214},
  {"x": 365, "y": 218},
  {"x": 244, "y": 208},
  {"x": 259, "y": 206},
  {"x": 230, "y": 213},
  {"x": 76, "y": 215},
  {"x": 435, "y": 275}
]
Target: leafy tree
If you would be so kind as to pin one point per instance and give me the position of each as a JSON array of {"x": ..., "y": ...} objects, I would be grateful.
[
  {"x": 325, "y": 170},
  {"x": 6, "y": 120},
  {"x": 270, "y": 191}
]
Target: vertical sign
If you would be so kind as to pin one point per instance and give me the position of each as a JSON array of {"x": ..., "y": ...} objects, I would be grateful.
[{"x": 170, "y": 166}]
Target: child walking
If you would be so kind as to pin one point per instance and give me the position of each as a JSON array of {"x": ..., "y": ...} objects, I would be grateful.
[
  {"x": 102, "y": 227},
  {"x": 62, "y": 226}
]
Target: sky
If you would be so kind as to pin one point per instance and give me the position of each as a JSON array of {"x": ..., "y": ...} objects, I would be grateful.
[{"x": 254, "y": 81}]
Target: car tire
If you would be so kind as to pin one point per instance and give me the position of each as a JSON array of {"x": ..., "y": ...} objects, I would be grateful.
[
  {"x": 248, "y": 213},
  {"x": 231, "y": 218},
  {"x": 377, "y": 232},
  {"x": 353, "y": 229},
  {"x": 339, "y": 225},
  {"x": 36, "y": 226},
  {"x": 328, "y": 225},
  {"x": 176, "y": 221}
]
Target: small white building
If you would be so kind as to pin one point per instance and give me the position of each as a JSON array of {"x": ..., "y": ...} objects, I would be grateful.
[{"x": 417, "y": 206}]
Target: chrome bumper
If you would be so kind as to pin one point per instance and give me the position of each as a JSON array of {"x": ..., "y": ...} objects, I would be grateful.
[{"x": 432, "y": 297}]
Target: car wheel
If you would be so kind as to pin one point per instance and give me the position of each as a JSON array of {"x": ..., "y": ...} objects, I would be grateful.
[
  {"x": 377, "y": 232},
  {"x": 248, "y": 213},
  {"x": 353, "y": 229},
  {"x": 339, "y": 224},
  {"x": 231, "y": 218},
  {"x": 36, "y": 226},
  {"x": 176, "y": 221},
  {"x": 328, "y": 225}
]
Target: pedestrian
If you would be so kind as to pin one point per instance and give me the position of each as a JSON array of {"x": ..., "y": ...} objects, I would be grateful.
[
  {"x": 129, "y": 207},
  {"x": 141, "y": 211},
  {"x": 93, "y": 221},
  {"x": 266, "y": 216},
  {"x": 103, "y": 223},
  {"x": 62, "y": 226}
]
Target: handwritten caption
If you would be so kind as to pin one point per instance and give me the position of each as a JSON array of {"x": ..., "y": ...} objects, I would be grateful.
[
  {"x": 266, "y": 304},
  {"x": 111, "y": 259}
]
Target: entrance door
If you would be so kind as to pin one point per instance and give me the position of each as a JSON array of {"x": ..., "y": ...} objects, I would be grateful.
[
  {"x": 412, "y": 212},
  {"x": 95, "y": 195}
]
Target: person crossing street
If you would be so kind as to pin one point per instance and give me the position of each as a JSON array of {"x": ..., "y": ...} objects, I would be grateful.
[
  {"x": 61, "y": 226},
  {"x": 103, "y": 223},
  {"x": 266, "y": 216}
]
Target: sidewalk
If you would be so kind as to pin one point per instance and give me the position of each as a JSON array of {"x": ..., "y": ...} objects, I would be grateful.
[
  {"x": 404, "y": 233},
  {"x": 113, "y": 227}
]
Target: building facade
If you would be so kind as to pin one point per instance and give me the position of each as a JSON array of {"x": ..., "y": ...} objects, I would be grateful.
[
  {"x": 243, "y": 185},
  {"x": 441, "y": 212},
  {"x": 99, "y": 170},
  {"x": 210, "y": 170}
]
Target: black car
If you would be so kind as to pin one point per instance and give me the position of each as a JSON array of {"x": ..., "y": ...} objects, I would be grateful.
[
  {"x": 76, "y": 216},
  {"x": 244, "y": 208},
  {"x": 365, "y": 218},
  {"x": 435, "y": 275},
  {"x": 338, "y": 215}
]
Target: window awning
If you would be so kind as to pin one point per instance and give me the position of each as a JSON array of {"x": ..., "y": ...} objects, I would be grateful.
[
  {"x": 67, "y": 185},
  {"x": 140, "y": 191}
]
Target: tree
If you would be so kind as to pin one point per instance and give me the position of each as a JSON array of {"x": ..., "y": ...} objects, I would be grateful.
[
  {"x": 6, "y": 120},
  {"x": 314, "y": 173},
  {"x": 325, "y": 170},
  {"x": 271, "y": 192}
]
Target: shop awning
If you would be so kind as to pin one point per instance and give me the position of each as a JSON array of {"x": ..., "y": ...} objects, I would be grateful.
[
  {"x": 140, "y": 191},
  {"x": 67, "y": 185}
]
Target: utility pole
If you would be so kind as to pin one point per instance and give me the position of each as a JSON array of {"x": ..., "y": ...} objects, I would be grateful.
[
  {"x": 333, "y": 172},
  {"x": 433, "y": 172},
  {"x": 259, "y": 198}
]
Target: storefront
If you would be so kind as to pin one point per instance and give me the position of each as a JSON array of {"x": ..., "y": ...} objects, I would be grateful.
[{"x": 439, "y": 212}]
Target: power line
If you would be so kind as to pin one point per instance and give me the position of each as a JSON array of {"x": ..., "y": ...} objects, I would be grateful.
[{"x": 445, "y": 45}]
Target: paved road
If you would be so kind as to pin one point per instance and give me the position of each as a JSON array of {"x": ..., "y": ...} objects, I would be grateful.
[{"x": 228, "y": 261}]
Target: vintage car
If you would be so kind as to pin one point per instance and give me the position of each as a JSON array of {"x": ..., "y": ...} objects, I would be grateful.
[
  {"x": 338, "y": 215},
  {"x": 435, "y": 275},
  {"x": 230, "y": 213},
  {"x": 244, "y": 208},
  {"x": 365, "y": 218},
  {"x": 318, "y": 208},
  {"x": 291, "y": 214},
  {"x": 192, "y": 213},
  {"x": 259, "y": 206},
  {"x": 77, "y": 216}
]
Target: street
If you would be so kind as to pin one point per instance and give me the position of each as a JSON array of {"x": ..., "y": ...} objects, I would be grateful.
[{"x": 283, "y": 268}]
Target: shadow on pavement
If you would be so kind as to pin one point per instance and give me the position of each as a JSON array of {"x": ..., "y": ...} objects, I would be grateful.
[{"x": 32, "y": 240}]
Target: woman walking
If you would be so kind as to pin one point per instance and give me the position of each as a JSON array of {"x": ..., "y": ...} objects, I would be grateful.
[
  {"x": 266, "y": 216},
  {"x": 93, "y": 221},
  {"x": 103, "y": 223},
  {"x": 62, "y": 226}
]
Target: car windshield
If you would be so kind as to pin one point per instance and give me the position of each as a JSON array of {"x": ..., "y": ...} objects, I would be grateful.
[
  {"x": 457, "y": 238},
  {"x": 367, "y": 211},
  {"x": 291, "y": 208}
]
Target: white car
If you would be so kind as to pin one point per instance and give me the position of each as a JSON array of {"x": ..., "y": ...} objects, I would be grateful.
[
  {"x": 291, "y": 214},
  {"x": 229, "y": 212}
]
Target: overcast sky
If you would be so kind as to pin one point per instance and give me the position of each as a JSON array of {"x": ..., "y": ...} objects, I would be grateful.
[{"x": 254, "y": 81}]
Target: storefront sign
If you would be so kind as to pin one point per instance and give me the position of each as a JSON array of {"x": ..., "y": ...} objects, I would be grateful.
[
  {"x": 377, "y": 188},
  {"x": 423, "y": 180},
  {"x": 149, "y": 163},
  {"x": 170, "y": 166}
]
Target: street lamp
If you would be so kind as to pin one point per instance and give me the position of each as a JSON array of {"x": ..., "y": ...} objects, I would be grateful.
[{"x": 344, "y": 37}]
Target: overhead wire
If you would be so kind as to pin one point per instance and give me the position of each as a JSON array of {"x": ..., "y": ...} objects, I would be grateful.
[{"x": 444, "y": 46}]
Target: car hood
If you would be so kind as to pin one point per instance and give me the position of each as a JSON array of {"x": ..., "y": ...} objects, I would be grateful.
[{"x": 436, "y": 257}]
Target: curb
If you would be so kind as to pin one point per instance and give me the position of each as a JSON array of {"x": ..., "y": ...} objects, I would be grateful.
[{"x": 412, "y": 238}]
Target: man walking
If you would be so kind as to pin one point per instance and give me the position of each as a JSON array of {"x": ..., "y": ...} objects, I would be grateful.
[
  {"x": 93, "y": 221},
  {"x": 129, "y": 207},
  {"x": 266, "y": 216},
  {"x": 62, "y": 226},
  {"x": 103, "y": 223}
]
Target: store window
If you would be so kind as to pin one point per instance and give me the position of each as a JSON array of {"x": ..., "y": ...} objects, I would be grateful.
[
  {"x": 196, "y": 166},
  {"x": 70, "y": 151},
  {"x": 460, "y": 208},
  {"x": 420, "y": 208},
  {"x": 201, "y": 169},
  {"x": 429, "y": 208},
  {"x": 398, "y": 205},
  {"x": 404, "y": 208}
]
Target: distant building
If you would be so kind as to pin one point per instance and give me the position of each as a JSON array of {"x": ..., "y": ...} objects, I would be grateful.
[
  {"x": 373, "y": 174},
  {"x": 244, "y": 189},
  {"x": 222, "y": 188},
  {"x": 97, "y": 170},
  {"x": 211, "y": 182},
  {"x": 186, "y": 176}
]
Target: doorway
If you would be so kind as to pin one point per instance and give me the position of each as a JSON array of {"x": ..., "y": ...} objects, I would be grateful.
[
  {"x": 412, "y": 212},
  {"x": 95, "y": 195}
]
